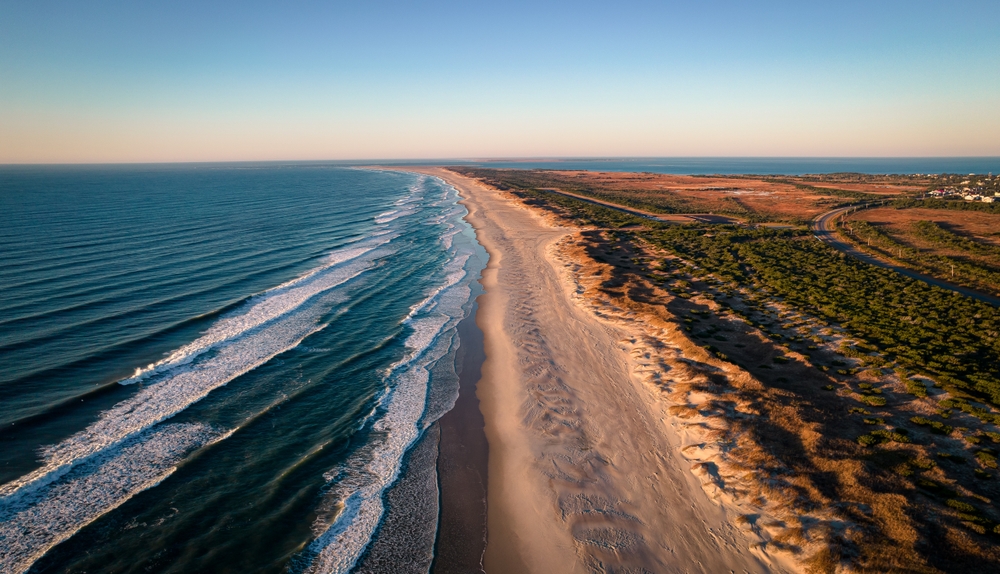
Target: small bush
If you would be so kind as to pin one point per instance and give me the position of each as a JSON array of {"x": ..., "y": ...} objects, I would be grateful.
[
  {"x": 873, "y": 401},
  {"x": 916, "y": 388},
  {"x": 898, "y": 435},
  {"x": 867, "y": 440},
  {"x": 961, "y": 506},
  {"x": 988, "y": 459},
  {"x": 935, "y": 426},
  {"x": 882, "y": 436}
]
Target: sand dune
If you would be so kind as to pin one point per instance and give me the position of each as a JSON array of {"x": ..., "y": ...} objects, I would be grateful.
[{"x": 585, "y": 469}]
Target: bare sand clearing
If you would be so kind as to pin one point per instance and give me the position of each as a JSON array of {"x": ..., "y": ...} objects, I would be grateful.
[{"x": 585, "y": 471}]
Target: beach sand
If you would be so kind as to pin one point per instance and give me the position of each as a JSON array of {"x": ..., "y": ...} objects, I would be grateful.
[{"x": 585, "y": 473}]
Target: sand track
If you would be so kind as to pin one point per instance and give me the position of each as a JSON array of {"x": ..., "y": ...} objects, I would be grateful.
[{"x": 585, "y": 473}]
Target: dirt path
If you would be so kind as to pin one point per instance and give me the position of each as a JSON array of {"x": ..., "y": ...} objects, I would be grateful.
[{"x": 584, "y": 473}]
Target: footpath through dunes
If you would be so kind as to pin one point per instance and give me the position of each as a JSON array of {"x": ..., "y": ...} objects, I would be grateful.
[{"x": 585, "y": 474}]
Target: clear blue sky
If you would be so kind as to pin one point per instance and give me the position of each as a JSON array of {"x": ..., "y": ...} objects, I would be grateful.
[{"x": 169, "y": 81}]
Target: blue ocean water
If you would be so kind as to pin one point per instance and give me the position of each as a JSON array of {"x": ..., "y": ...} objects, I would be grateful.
[{"x": 219, "y": 368}]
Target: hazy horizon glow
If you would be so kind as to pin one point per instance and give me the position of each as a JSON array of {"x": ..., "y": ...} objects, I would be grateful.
[{"x": 124, "y": 82}]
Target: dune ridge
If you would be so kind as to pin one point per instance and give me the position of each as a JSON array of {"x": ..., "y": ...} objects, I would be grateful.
[{"x": 585, "y": 469}]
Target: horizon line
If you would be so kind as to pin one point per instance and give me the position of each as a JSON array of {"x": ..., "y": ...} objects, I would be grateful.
[{"x": 442, "y": 160}]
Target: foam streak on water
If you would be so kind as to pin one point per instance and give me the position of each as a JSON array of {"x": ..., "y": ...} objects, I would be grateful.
[
  {"x": 382, "y": 310},
  {"x": 262, "y": 308},
  {"x": 36, "y": 523},
  {"x": 358, "y": 484},
  {"x": 281, "y": 319}
]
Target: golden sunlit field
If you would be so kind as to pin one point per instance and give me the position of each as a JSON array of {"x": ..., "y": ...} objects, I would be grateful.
[{"x": 750, "y": 198}]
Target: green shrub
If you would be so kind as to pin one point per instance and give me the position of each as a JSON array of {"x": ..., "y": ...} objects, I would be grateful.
[
  {"x": 988, "y": 459},
  {"x": 882, "y": 436},
  {"x": 873, "y": 401},
  {"x": 916, "y": 388},
  {"x": 935, "y": 426},
  {"x": 868, "y": 440},
  {"x": 961, "y": 506}
]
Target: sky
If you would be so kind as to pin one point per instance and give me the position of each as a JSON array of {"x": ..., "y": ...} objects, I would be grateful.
[{"x": 151, "y": 81}]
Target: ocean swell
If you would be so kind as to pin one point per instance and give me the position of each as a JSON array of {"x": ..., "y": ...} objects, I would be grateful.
[{"x": 357, "y": 486}]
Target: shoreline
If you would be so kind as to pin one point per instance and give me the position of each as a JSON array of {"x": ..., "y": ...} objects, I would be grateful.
[
  {"x": 585, "y": 471},
  {"x": 462, "y": 464}
]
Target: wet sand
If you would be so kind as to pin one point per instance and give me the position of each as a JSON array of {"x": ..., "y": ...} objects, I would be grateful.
[
  {"x": 462, "y": 465},
  {"x": 585, "y": 473}
]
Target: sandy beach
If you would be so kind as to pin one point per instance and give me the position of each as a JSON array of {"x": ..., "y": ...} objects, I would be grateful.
[{"x": 585, "y": 471}]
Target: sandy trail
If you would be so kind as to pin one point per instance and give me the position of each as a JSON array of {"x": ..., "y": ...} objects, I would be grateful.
[{"x": 585, "y": 473}]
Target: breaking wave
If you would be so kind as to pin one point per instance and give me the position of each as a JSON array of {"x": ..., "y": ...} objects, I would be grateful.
[
  {"x": 261, "y": 309},
  {"x": 358, "y": 484},
  {"x": 31, "y": 525},
  {"x": 133, "y": 446}
]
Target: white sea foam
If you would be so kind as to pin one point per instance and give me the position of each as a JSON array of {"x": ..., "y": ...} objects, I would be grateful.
[
  {"x": 387, "y": 216},
  {"x": 30, "y": 526},
  {"x": 361, "y": 480},
  {"x": 448, "y": 237},
  {"x": 416, "y": 191},
  {"x": 358, "y": 484},
  {"x": 455, "y": 271},
  {"x": 129, "y": 448},
  {"x": 260, "y": 309},
  {"x": 281, "y": 326}
]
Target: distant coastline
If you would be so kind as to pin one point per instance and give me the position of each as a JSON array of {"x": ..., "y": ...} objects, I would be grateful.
[{"x": 671, "y": 165}]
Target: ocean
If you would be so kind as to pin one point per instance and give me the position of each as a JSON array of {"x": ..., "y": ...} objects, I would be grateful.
[{"x": 225, "y": 368}]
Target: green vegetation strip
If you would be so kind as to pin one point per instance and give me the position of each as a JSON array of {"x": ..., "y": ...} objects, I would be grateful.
[
  {"x": 960, "y": 270},
  {"x": 934, "y": 233},
  {"x": 952, "y": 339},
  {"x": 949, "y": 204},
  {"x": 662, "y": 202}
]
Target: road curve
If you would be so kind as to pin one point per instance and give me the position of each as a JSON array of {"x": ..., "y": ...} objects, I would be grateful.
[{"x": 823, "y": 229}]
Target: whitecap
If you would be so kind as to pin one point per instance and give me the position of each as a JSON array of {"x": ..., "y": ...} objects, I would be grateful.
[{"x": 30, "y": 526}]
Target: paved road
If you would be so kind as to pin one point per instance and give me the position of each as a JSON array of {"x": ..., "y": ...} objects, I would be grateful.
[
  {"x": 823, "y": 228},
  {"x": 670, "y": 218}
]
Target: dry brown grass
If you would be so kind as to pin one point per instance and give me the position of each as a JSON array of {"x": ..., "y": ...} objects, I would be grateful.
[
  {"x": 977, "y": 225},
  {"x": 790, "y": 445},
  {"x": 781, "y": 200}
]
